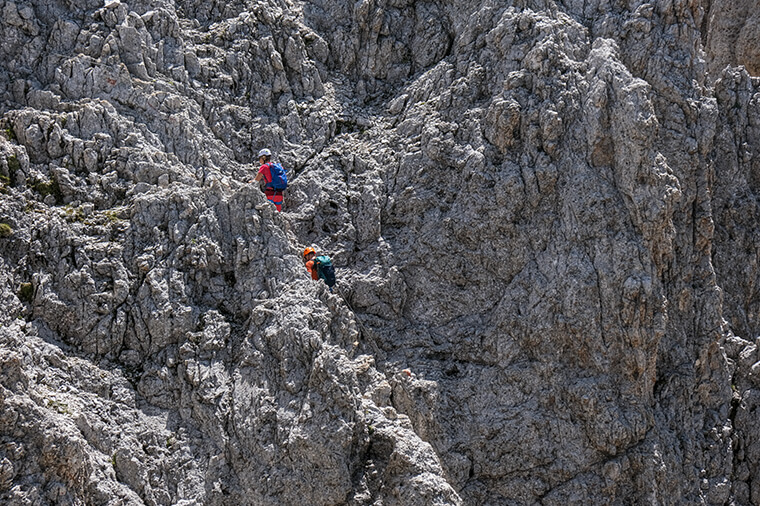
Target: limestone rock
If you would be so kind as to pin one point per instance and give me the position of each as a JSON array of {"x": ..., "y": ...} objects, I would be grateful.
[{"x": 543, "y": 218}]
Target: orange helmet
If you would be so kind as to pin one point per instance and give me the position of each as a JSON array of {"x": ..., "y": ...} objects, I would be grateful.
[{"x": 307, "y": 251}]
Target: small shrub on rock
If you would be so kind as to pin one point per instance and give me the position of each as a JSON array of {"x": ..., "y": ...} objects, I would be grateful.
[{"x": 26, "y": 292}]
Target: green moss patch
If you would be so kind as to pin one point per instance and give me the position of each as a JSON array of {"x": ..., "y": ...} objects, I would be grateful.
[{"x": 46, "y": 188}]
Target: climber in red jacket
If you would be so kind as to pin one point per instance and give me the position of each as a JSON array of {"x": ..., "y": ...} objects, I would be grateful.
[{"x": 275, "y": 178}]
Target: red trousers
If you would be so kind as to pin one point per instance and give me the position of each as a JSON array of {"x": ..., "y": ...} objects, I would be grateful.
[{"x": 275, "y": 197}]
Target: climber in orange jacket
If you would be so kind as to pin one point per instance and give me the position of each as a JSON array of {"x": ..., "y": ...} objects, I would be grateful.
[{"x": 320, "y": 267}]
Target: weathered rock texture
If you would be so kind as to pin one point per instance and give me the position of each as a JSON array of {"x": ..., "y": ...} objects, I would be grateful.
[
  {"x": 732, "y": 35},
  {"x": 544, "y": 217}
]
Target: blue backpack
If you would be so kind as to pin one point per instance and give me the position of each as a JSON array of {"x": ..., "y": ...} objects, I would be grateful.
[
  {"x": 325, "y": 269},
  {"x": 279, "y": 177}
]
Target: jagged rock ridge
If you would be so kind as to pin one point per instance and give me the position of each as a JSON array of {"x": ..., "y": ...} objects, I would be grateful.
[{"x": 545, "y": 212}]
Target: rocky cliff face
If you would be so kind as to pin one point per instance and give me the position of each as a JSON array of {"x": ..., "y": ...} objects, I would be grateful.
[{"x": 543, "y": 215}]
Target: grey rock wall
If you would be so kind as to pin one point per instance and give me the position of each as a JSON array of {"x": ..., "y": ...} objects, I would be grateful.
[
  {"x": 543, "y": 216},
  {"x": 733, "y": 34}
]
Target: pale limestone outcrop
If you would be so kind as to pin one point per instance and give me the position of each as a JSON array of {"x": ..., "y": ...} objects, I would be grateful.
[{"x": 542, "y": 214}]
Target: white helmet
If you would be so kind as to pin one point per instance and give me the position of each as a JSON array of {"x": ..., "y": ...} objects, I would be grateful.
[{"x": 265, "y": 152}]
